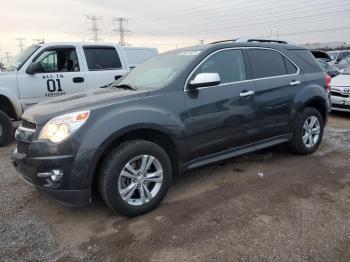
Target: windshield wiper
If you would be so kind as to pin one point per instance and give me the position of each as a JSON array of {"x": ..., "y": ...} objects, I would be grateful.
[{"x": 124, "y": 86}]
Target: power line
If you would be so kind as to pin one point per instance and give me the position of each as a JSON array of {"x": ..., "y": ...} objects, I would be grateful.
[
  {"x": 289, "y": 9},
  {"x": 94, "y": 27},
  {"x": 180, "y": 10},
  {"x": 295, "y": 20},
  {"x": 121, "y": 29}
]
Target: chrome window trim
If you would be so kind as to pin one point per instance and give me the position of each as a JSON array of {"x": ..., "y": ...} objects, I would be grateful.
[{"x": 242, "y": 81}]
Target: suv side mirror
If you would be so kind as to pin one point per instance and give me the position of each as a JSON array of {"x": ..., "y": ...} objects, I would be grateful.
[
  {"x": 204, "y": 79},
  {"x": 34, "y": 68}
]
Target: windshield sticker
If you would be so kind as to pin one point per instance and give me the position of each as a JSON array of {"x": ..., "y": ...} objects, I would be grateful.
[{"x": 189, "y": 53}]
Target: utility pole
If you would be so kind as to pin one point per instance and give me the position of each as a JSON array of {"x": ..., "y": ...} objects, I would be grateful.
[
  {"x": 20, "y": 43},
  {"x": 201, "y": 41},
  {"x": 94, "y": 27},
  {"x": 121, "y": 29}
]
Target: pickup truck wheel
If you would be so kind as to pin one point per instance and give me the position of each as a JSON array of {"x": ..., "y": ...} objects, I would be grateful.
[
  {"x": 135, "y": 177},
  {"x": 6, "y": 129},
  {"x": 308, "y": 132}
]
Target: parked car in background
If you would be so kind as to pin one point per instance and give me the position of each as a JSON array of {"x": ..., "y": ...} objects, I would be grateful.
[
  {"x": 49, "y": 70},
  {"x": 337, "y": 56},
  {"x": 343, "y": 64},
  {"x": 321, "y": 55},
  {"x": 340, "y": 91},
  {"x": 330, "y": 70},
  {"x": 138, "y": 55},
  {"x": 179, "y": 110}
]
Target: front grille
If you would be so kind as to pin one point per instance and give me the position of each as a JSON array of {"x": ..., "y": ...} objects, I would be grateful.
[
  {"x": 28, "y": 124},
  {"x": 22, "y": 147},
  {"x": 341, "y": 106}
]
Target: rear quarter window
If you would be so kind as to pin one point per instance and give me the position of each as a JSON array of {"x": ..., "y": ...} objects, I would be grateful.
[{"x": 306, "y": 61}]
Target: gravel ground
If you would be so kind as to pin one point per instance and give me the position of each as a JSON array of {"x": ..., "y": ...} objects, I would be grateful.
[{"x": 299, "y": 210}]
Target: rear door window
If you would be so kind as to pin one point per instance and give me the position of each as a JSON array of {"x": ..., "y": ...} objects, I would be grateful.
[
  {"x": 102, "y": 58},
  {"x": 291, "y": 68},
  {"x": 267, "y": 63}
]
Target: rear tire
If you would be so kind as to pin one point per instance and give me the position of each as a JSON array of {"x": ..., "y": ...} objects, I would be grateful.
[
  {"x": 6, "y": 129},
  {"x": 130, "y": 187},
  {"x": 308, "y": 132}
]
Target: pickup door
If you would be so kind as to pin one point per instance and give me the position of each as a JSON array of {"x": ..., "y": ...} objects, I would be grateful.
[
  {"x": 60, "y": 73},
  {"x": 104, "y": 65}
]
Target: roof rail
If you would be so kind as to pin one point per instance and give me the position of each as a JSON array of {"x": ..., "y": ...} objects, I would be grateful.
[
  {"x": 251, "y": 40},
  {"x": 224, "y": 41},
  {"x": 262, "y": 40}
]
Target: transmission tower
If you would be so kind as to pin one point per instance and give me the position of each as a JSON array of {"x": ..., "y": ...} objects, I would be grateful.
[
  {"x": 20, "y": 43},
  {"x": 121, "y": 29},
  {"x": 94, "y": 26},
  {"x": 201, "y": 41}
]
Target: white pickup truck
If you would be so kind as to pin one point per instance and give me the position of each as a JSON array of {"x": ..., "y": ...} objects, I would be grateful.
[{"x": 53, "y": 69}]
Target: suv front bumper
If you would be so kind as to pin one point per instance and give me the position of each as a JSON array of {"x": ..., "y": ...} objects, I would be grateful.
[{"x": 68, "y": 191}]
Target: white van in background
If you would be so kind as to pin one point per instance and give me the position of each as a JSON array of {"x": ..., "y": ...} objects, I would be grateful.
[{"x": 138, "y": 55}]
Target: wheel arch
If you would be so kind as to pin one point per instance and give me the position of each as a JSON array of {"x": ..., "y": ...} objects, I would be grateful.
[
  {"x": 319, "y": 104},
  {"x": 10, "y": 100},
  {"x": 7, "y": 107},
  {"x": 152, "y": 134}
]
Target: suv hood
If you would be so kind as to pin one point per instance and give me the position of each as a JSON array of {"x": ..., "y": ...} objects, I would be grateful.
[
  {"x": 87, "y": 100},
  {"x": 341, "y": 80}
]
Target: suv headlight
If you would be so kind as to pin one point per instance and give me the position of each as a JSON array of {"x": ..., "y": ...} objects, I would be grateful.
[{"x": 61, "y": 127}]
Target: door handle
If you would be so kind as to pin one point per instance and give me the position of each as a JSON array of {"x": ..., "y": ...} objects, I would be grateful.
[
  {"x": 78, "y": 79},
  {"x": 294, "y": 83},
  {"x": 246, "y": 93},
  {"x": 117, "y": 77}
]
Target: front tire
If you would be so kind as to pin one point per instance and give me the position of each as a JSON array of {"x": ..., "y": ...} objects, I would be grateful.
[
  {"x": 6, "y": 129},
  {"x": 308, "y": 132},
  {"x": 135, "y": 177}
]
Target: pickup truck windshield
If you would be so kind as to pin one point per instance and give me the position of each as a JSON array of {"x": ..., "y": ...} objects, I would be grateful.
[
  {"x": 21, "y": 58},
  {"x": 158, "y": 71}
]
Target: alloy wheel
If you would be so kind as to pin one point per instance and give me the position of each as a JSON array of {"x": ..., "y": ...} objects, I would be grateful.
[
  {"x": 140, "y": 180},
  {"x": 311, "y": 131}
]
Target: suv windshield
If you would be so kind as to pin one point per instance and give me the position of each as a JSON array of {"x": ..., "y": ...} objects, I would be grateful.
[
  {"x": 21, "y": 58},
  {"x": 158, "y": 71}
]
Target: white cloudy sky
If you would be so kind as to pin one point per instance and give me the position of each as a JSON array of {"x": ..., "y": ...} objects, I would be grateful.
[{"x": 176, "y": 23}]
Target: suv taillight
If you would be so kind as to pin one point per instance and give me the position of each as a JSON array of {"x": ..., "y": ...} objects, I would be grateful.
[{"x": 328, "y": 82}]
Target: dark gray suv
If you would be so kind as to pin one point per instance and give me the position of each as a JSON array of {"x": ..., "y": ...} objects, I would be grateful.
[{"x": 182, "y": 109}]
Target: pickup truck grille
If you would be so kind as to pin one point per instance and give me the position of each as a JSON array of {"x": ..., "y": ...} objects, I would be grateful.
[
  {"x": 28, "y": 124},
  {"x": 22, "y": 147}
]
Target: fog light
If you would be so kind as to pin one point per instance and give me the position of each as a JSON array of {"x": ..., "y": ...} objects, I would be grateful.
[{"x": 55, "y": 175}]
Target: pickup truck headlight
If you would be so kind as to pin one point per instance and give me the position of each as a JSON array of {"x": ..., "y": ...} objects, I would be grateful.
[{"x": 61, "y": 127}]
